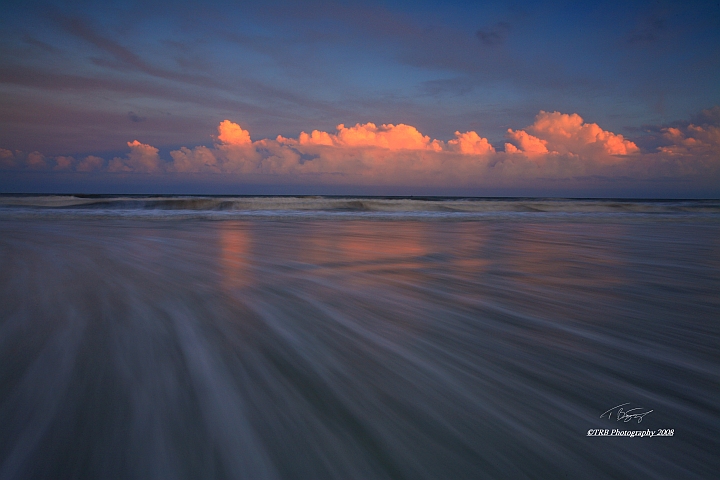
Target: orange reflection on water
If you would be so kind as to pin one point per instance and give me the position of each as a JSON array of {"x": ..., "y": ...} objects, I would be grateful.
[
  {"x": 466, "y": 250},
  {"x": 367, "y": 243},
  {"x": 235, "y": 250}
]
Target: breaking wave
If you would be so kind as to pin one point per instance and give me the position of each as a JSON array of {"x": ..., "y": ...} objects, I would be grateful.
[{"x": 393, "y": 207}]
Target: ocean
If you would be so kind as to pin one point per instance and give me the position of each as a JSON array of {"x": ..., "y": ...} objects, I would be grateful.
[{"x": 358, "y": 337}]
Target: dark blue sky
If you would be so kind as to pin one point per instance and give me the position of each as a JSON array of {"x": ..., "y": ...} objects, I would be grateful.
[{"x": 88, "y": 77}]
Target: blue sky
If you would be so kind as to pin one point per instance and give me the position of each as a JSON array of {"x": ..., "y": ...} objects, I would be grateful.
[{"x": 86, "y": 78}]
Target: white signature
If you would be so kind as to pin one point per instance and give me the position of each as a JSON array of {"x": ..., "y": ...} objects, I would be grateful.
[{"x": 626, "y": 415}]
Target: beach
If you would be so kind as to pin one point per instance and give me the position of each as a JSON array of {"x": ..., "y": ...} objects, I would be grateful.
[{"x": 339, "y": 338}]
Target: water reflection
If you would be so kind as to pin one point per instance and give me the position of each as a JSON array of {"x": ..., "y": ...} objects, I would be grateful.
[
  {"x": 355, "y": 349},
  {"x": 360, "y": 244},
  {"x": 235, "y": 254}
]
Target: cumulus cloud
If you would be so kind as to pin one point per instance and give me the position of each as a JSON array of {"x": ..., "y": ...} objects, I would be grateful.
[
  {"x": 232, "y": 134},
  {"x": 692, "y": 140},
  {"x": 90, "y": 163},
  {"x": 64, "y": 163},
  {"x": 37, "y": 161},
  {"x": 7, "y": 159},
  {"x": 470, "y": 143},
  {"x": 556, "y": 146},
  {"x": 364, "y": 149},
  {"x": 142, "y": 158},
  {"x": 568, "y": 134},
  {"x": 199, "y": 159},
  {"x": 392, "y": 137},
  {"x": 525, "y": 143}
]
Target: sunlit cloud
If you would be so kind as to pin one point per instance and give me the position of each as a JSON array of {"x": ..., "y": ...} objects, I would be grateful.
[
  {"x": 199, "y": 159},
  {"x": 525, "y": 143},
  {"x": 142, "y": 158},
  {"x": 392, "y": 137},
  {"x": 568, "y": 134},
  {"x": 470, "y": 143},
  {"x": 90, "y": 163},
  {"x": 692, "y": 140},
  {"x": 555, "y": 146},
  {"x": 232, "y": 134}
]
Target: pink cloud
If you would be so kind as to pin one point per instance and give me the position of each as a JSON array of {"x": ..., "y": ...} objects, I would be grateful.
[
  {"x": 392, "y": 137},
  {"x": 315, "y": 138},
  {"x": 199, "y": 159},
  {"x": 555, "y": 146},
  {"x": 525, "y": 142},
  {"x": 568, "y": 134},
  {"x": 470, "y": 143},
  {"x": 90, "y": 164},
  {"x": 7, "y": 159},
  {"x": 64, "y": 163},
  {"x": 233, "y": 153},
  {"x": 692, "y": 140},
  {"x": 37, "y": 161},
  {"x": 142, "y": 158}
]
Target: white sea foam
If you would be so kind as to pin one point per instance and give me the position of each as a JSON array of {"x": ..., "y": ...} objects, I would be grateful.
[{"x": 343, "y": 207}]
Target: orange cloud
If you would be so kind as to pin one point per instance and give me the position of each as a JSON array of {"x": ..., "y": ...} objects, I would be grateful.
[
  {"x": 568, "y": 134},
  {"x": 694, "y": 140},
  {"x": 556, "y": 145},
  {"x": 315, "y": 138},
  {"x": 392, "y": 137},
  {"x": 526, "y": 143},
  {"x": 142, "y": 158},
  {"x": 234, "y": 153},
  {"x": 470, "y": 143},
  {"x": 365, "y": 149},
  {"x": 232, "y": 134}
]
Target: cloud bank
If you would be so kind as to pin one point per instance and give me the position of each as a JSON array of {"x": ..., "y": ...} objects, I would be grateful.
[{"x": 556, "y": 146}]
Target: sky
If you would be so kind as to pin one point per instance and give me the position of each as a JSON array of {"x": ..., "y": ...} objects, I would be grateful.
[{"x": 395, "y": 97}]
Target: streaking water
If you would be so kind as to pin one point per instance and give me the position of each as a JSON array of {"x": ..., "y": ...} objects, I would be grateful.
[{"x": 321, "y": 346}]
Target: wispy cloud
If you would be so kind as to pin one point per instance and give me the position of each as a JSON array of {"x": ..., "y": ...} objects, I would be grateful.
[
  {"x": 123, "y": 59},
  {"x": 82, "y": 79},
  {"x": 46, "y": 47},
  {"x": 494, "y": 35},
  {"x": 126, "y": 58},
  {"x": 135, "y": 118}
]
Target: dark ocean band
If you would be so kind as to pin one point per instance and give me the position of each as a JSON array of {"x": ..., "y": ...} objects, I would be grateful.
[{"x": 337, "y": 206}]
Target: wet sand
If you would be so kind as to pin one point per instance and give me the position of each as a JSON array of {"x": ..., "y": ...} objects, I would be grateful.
[{"x": 355, "y": 348}]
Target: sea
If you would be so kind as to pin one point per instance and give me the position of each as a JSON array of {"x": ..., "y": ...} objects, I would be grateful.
[{"x": 329, "y": 337}]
